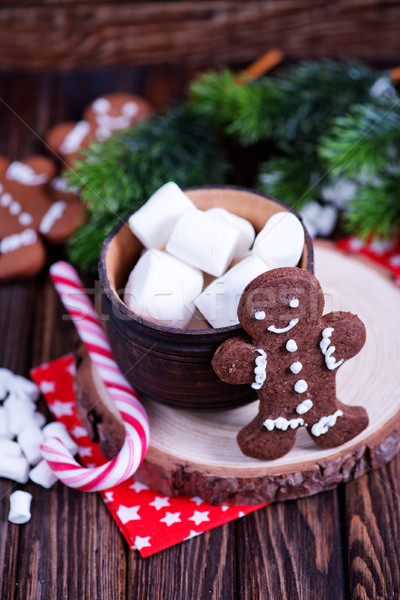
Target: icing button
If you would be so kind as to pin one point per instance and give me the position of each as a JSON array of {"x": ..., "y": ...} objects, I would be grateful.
[
  {"x": 291, "y": 346},
  {"x": 300, "y": 386}
]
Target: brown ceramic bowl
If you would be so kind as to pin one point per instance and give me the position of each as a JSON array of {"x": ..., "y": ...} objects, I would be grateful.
[{"x": 171, "y": 365}]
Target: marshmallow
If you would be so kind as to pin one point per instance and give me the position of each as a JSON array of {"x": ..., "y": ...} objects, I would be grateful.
[
  {"x": 17, "y": 385},
  {"x": 14, "y": 467},
  {"x": 219, "y": 301},
  {"x": 162, "y": 288},
  {"x": 43, "y": 475},
  {"x": 280, "y": 243},
  {"x": 5, "y": 378},
  {"x": 5, "y": 431},
  {"x": 246, "y": 229},
  {"x": 10, "y": 448},
  {"x": 58, "y": 430},
  {"x": 39, "y": 419},
  {"x": 20, "y": 412},
  {"x": 25, "y": 388},
  {"x": 153, "y": 222},
  {"x": 30, "y": 439},
  {"x": 204, "y": 242},
  {"x": 20, "y": 507}
]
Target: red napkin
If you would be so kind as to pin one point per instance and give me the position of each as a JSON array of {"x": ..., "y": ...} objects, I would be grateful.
[
  {"x": 382, "y": 251},
  {"x": 148, "y": 520}
]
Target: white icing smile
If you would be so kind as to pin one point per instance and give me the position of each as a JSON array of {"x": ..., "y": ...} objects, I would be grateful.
[
  {"x": 327, "y": 351},
  {"x": 292, "y": 324},
  {"x": 260, "y": 370},
  {"x": 282, "y": 423},
  {"x": 324, "y": 423}
]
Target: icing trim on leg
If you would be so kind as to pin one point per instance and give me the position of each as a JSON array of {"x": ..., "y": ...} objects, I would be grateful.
[{"x": 324, "y": 423}]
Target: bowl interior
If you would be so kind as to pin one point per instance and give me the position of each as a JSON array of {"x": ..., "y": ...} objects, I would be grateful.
[{"x": 123, "y": 249}]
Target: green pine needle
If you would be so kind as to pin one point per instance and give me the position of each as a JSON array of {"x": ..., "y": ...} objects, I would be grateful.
[
  {"x": 122, "y": 172},
  {"x": 294, "y": 108},
  {"x": 363, "y": 142},
  {"x": 291, "y": 179},
  {"x": 376, "y": 208}
]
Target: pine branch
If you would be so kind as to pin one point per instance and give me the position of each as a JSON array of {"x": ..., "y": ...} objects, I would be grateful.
[
  {"x": 376, "y": 208},
  {"x": 83, "y": 248},
  {"x": 121, "y": 172},
  {"x": 290, "y": 109},
  {"x": 291, "y": 179},
  {"x": 364, "y": 141}
]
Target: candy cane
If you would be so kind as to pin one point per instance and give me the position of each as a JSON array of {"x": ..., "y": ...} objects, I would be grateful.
[{"x": 60, "y": 460}]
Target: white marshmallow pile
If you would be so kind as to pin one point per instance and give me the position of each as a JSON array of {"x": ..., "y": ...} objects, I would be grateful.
[
  {"x": 185, "y": 246},
  {"x": 21, "y": 433}
]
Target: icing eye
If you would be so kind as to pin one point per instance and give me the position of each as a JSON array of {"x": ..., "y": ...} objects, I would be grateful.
[
  {"x": 260, "y": 315},
  {"x": 294, "y": 302}
]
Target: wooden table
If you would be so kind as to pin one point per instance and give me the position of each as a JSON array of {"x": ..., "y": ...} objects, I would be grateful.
[{"x": 339, "y": 544}]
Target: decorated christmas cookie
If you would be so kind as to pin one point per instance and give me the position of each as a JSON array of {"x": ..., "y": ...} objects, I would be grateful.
[
  {"x": 291, "y": 358},
  {"x": 109, "y": 113},
  {"x": 27, "y": 213}
]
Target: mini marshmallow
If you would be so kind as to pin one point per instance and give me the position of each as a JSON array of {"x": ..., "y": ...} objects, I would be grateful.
[
  {"x": 5, "y": 431},
  {"x": 219, "y": 301},
  {"x": 20, "y": 507},
  {"x": 25, "y": 388},
  {"x": 246, "y": 229},
  {"x": 30, "y": 439},
  {"x": 204, "y": 242},
  {"x": 17, "y": 385},
  {"x": 153, "y": 222},
  {"x": 10, "y": 448},
  {"x": 163, "y": 289},
  {"x": 5, "y": 378},
  {"x": 39, "y": 419},
  {"x": 58, "y": 430},
  {"x": 43, "y": 475},
  {"x": 280, "y": 243},
  {"x": 20, "y": 412},
  {"x": 14, "y": 467}
]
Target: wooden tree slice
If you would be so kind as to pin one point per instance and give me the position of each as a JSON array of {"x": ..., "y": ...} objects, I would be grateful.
[{"x": 195, "y": 452}]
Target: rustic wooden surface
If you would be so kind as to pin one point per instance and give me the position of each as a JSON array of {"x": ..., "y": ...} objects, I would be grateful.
[
  {"x": 80, "y": 33},
  {"x": 339, "y": 544}
]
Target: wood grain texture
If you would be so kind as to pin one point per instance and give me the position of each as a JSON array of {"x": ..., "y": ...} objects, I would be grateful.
[
  {"x": 297, "y": 555},
  {"x": 372, "y": 507},
  {"x": 78, "y": 34},
  {"x": 202, "y": 567}
]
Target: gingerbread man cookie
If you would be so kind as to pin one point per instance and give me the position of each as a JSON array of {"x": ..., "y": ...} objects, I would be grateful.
[
  {"x": 28, "y": 214},
  {"x": 291, "y": 358},
  {"x": 109, "y": 113}
]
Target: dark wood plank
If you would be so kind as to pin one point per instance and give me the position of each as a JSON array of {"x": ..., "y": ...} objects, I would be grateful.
[
  {"x": 372, "y": 506},
  {"x": 202, "y": 567},
  {"x": 16, "y": 317},
  {"x": 72, "y": 34},
  {"x": 292, "y": 551}
]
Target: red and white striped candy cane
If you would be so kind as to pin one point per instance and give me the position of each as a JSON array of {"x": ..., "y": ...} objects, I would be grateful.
[{"x": 60, "y": 460}]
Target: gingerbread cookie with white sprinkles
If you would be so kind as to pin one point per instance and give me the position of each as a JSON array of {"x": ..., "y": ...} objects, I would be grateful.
[{"x": 291, "y": 358}]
